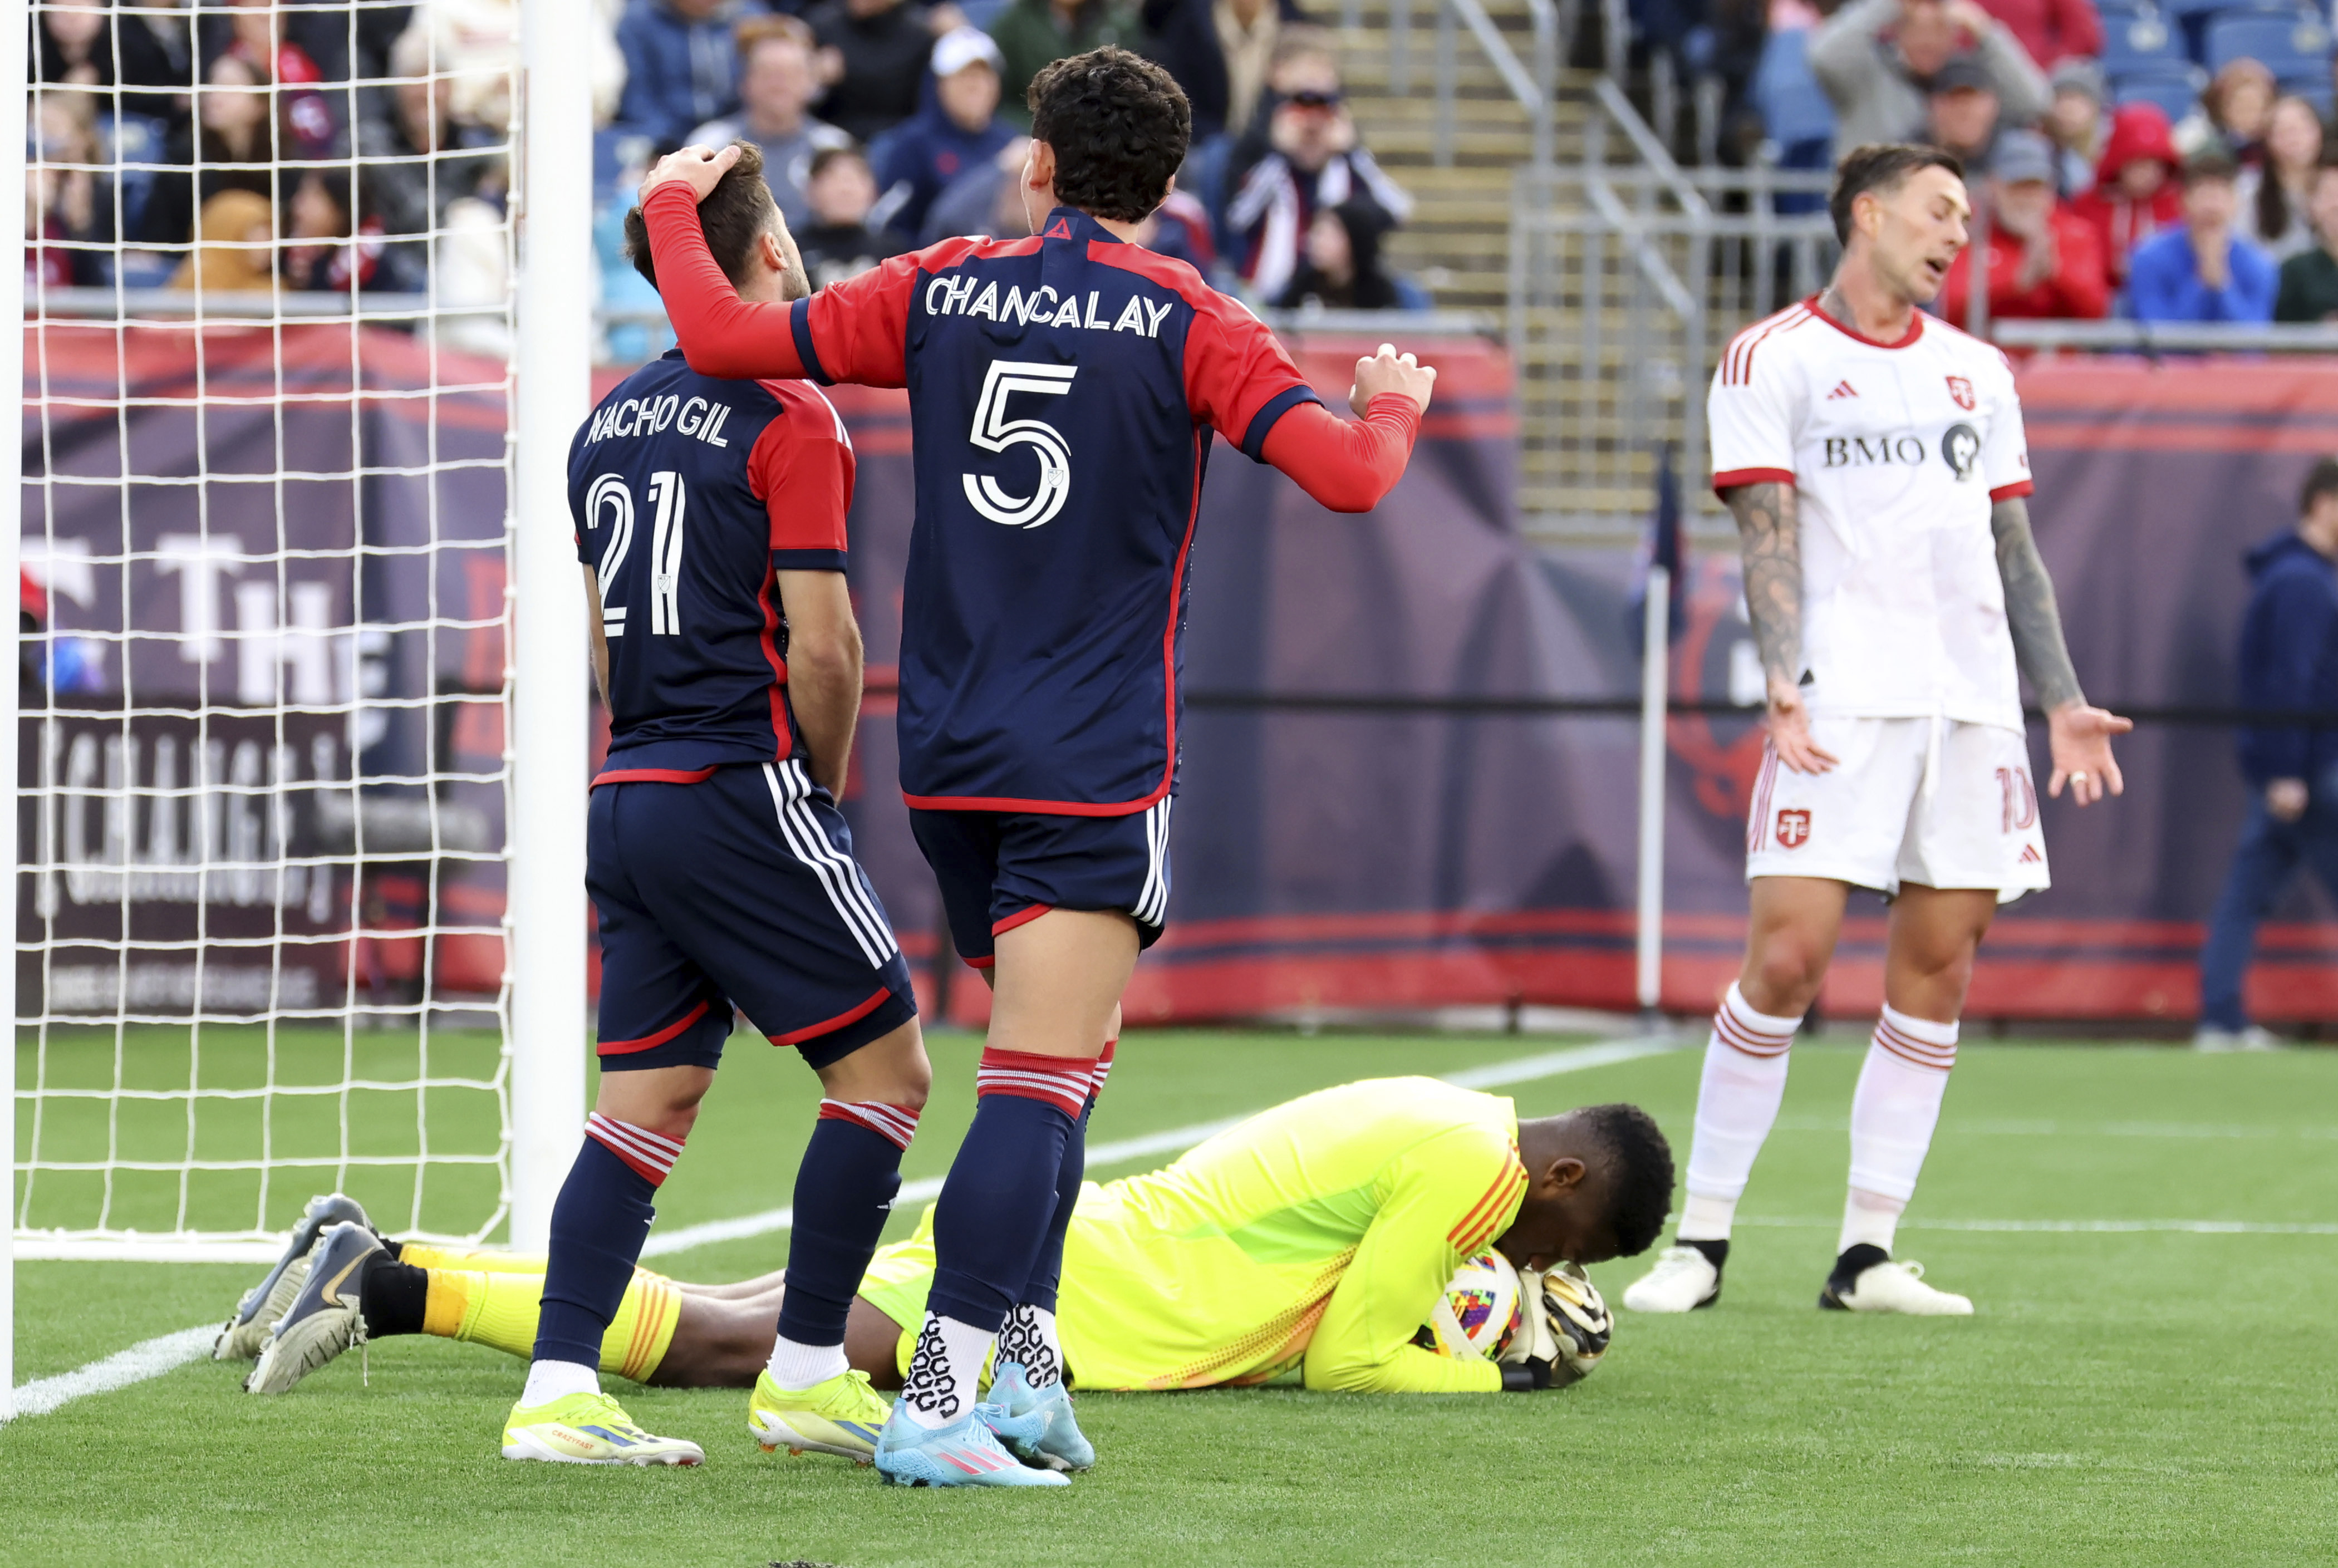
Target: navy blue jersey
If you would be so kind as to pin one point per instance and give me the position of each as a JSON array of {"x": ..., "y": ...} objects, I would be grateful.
[
  {"x": 1062, "y": 393},
  {"x": 688, "y": 493}
]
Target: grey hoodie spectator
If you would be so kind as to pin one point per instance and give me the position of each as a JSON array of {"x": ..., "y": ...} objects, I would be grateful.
[
  {"x": 776, "y": 85},
  {"x": 1875, "y": 58}
]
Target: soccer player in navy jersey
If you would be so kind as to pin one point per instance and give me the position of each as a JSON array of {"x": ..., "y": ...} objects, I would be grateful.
[
  {"x": 710, "y": 522},
  {"x": 1062, "y": 391}
]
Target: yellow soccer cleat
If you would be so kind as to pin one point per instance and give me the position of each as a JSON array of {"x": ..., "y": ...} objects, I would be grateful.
[
  {"x": 841, "y": 1417},
  {"x": 590, "y": 1429}
]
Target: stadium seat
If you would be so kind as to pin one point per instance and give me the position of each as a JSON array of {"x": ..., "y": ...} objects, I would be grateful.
[
  {"x": 2176, "y": 92},
  {"x": 2134, "y": 44},
  {"x": 2291, "y": 45},
  {"x": 2315, "y": 90}
]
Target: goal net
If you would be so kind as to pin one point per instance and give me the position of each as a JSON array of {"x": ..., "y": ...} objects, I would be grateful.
[{"x": 265, "y": 749}]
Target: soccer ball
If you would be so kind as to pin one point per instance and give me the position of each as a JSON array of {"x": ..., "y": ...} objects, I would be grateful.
[{"x": 1477, "y": 1314}]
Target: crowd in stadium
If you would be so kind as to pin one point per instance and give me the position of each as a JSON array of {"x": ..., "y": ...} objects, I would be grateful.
[
  {"x": 2163, "y": 164},
  {"x": 884, "y": 123},
  {"x": 2125, "y": 178}
]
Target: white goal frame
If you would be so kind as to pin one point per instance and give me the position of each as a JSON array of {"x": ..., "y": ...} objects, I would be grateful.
[{"x": 547, "y": 732}]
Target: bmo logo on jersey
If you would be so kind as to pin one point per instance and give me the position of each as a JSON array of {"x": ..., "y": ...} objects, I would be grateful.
[
  {"x": 1959, "y": 449},
  {"x": 1794, "y": 827}
]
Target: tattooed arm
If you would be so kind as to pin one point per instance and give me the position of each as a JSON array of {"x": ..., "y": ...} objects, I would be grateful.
[
  {"x": 2080, "y": 736},
  {"x": 1771, "y": 533},
  {"x": 2029, "y": 608}
]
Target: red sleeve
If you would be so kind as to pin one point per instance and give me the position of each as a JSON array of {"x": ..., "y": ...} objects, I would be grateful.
[
  {"x": 1238, "y": 379},
  {"x": 1347, "y": 466},
  {"x": 850, "y": 331},
  {"x": 2085, "y": 286},
  {"x": 721, "y": 334},
  {"x": 801, "y": 470}
]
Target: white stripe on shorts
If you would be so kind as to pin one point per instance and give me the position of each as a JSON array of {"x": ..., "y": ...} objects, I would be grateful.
[
  {"x": 791, "y": 802},
  {"x": 1153, "y": 902}
]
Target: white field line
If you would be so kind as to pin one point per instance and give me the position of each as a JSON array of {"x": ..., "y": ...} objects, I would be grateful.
[
  {"x": 147, "y": 1358},
  {"x": 2004, "y": 1129},
  {"x": 2076, "y": 1227},
  {"x": 1177, "y": 1140}
]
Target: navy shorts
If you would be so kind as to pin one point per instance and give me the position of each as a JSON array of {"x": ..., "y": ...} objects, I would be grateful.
[
  {"x": 741, "y": 890},
  {"x": 1000, "y": 869}
]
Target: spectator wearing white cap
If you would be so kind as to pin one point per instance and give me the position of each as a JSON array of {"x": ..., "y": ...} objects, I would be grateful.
[
  {"x": 776, "y": 86},
  {"x": 959, "y": 131}
]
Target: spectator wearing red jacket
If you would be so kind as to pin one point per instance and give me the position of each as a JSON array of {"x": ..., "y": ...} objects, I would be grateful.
[
  {"x": 2135, "y": 192},
  {"x": 2044, "y": 261},
  {"x": 2051, "y": 30}
]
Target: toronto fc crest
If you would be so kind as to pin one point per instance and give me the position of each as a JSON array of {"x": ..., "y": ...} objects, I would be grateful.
[
  {"x": 1962, "y": 390},
  {"x": 1793, "y": 828}
]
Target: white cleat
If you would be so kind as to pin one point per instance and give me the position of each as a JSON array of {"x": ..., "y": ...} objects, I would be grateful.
[
  {"x": 1683, "y": 1280},
  {"x": 2255, "y": 1037},
  {"x": 1895, "y": 1286}
]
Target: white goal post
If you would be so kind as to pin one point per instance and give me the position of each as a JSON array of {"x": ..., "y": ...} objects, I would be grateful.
[{"x": 300, "y": 767}]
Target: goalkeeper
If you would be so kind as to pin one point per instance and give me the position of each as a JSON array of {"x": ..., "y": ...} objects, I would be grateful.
[{"x": 1316, "y": 1237}]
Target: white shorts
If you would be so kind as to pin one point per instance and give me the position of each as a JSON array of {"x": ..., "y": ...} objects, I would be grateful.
[{"x": 1894, "y": 810}]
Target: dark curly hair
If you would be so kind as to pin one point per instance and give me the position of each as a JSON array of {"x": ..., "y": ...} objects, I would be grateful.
[
  {"x": 735, "y": 215},
  {"x": 1119, "y": 125},
  {"x": 1639, "y": 1172}
]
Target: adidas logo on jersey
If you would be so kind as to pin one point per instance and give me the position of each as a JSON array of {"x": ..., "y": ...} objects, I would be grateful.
[
  {"x": 1842, "y": 389},
  {"x": 955, "y": 296},
  {"x": 2029, "y": 856}
]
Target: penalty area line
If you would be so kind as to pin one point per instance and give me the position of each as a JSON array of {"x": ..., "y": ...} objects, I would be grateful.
[{"x": 1177, "y": 1140}]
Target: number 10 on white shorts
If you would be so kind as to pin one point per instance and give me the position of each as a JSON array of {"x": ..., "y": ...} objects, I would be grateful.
[{"x": 1872, "y": 822}]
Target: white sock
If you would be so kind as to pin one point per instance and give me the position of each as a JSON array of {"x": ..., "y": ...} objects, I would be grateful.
[
  {"x": 941, "y": 1387},
  {"x": 797, "y": 1367},
  {"x": 550, "y": 1380},
  {"x": 1028, "y": 1336},
  {"x": 1892, "y": 1114},
  {"x": 1737, "y": 1100},
  {"x": 1871, "y": 1218}
]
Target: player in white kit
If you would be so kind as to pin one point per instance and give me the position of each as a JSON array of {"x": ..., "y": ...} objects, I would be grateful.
[{"x": 1874, "y": 460}]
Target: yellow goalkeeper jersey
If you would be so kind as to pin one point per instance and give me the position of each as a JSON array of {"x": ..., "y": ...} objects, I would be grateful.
[{"x": 1318, "y": 1234}]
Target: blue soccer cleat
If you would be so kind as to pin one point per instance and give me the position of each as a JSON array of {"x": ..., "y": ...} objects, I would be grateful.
[
  {"x": 1058, "y": 1445},
  {"x": 243, "y": 1336},
  {"x": 966, "y": 1453}
]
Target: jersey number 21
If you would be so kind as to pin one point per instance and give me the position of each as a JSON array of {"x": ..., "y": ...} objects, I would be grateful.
[{"x": 669, "y": 496}]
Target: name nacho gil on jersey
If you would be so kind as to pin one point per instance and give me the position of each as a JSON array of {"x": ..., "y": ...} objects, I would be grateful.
[{"x": 1898, "y": 453}]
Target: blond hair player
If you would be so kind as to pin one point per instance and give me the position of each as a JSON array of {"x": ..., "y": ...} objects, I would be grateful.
[{"x": 1873, "y": 458}]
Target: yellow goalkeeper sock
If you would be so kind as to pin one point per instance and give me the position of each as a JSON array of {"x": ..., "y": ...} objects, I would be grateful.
[
  {"x": 499, "y": 1311},
  {"x": 422, "y": 1256}
]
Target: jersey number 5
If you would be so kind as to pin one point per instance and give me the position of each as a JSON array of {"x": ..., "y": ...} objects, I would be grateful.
[
  {"x": 670, "y": 497},
  {"x": 995, "y": 432}
]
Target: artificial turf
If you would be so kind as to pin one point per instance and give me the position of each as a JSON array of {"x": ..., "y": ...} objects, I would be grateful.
[{"x": 2146, "y": 1395}]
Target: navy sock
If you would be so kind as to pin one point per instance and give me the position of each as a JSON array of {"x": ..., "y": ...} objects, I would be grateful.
[
  {"x": 1000, "y": 1198},
  {"x": 598, "y": 1225},
  {"x": 844, "y": 1190},
  {"x": 1047, "y": 1272}
]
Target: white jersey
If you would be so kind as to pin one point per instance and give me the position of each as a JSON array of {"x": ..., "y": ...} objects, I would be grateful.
[{"x": 1897, "y": 452}]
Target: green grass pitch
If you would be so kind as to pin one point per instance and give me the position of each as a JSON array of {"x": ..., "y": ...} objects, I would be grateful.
[{"x": 2125, "y": 1395}]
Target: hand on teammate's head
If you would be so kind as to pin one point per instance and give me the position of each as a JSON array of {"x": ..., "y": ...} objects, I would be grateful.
[
  {"x": 1390, "y": 371},
  {"x": 699, "y": 168}
]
